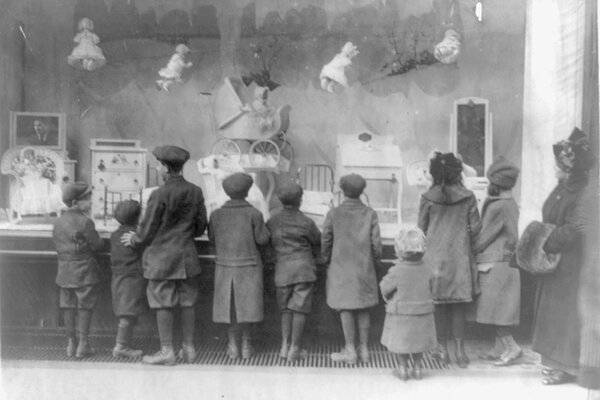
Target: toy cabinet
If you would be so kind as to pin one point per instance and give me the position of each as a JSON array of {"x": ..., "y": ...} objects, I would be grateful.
[{"x": 118, "y": 173}]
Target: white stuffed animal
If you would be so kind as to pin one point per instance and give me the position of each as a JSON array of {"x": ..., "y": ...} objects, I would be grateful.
[
  {"x": 215, "y": 169},
  {"x": 334, "y": 73}
]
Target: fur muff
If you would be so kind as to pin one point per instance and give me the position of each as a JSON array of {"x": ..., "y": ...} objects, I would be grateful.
[{"x": 531, "y": 256}]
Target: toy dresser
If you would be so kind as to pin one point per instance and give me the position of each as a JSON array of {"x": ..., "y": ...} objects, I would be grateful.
[{"x": 118, "y": 173}]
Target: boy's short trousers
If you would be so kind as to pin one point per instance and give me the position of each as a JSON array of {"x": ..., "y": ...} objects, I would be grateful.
[
  {"x": 82, "y": 297},
  {"x": 172, "y": 293},
  {"x": 296, "y": 297}
]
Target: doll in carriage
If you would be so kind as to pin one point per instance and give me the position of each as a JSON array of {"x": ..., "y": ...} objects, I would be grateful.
[{"x": 252, "y": 132}]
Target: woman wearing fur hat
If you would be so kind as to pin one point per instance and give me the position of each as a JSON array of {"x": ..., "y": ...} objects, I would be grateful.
[
  {"x": 499, "y": 302},
  {"x": 556, "y": 325},
  {"x": 449, "y": 217}
]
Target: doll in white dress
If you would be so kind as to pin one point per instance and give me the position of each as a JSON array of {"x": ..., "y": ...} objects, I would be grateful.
[
  {"x": 86, "y": 54},
  {"x": 448, "y": 49},
  {"x": 334, "y": 73},
  {"x": 172, "y": 72}
]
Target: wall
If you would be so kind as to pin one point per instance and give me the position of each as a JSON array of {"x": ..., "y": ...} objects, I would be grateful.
[{"x": 120, "y": 100}]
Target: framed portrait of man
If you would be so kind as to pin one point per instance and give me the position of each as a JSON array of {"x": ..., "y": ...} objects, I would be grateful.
[{"x": 38, "y": 129}]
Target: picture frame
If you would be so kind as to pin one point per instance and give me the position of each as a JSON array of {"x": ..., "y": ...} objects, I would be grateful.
[{"x": 38, "y": 129}]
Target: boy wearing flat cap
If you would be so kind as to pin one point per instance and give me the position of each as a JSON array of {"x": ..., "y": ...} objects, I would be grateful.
[
  {"x": 351, "y": 244},
  {"x": 494, "y": 246},
  {"x": 76, "y": 241},
  {"x": 294, "y": 238},
  {"x": 128, "y": 285},
  {"x": 236, "y": 230},
  {"x": 174, "y": 217}
]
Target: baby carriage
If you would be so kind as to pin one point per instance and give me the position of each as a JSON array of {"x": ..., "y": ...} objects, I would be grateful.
[{"x": 252, "y": 133}]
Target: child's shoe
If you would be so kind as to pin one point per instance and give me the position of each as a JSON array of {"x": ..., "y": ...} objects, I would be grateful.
[
  {"x": 461, "y": 357},
  {"x": 121, "y": 351},
  {"x": 233, "y": 351},
  {"x": 363, "y": 353},
  {"x": 84, "y": 349},
  {"x": 296, "y": 354},
  {"x": 247, "y": 349},
  {"x": 71, "y": 347},
  {"x": 401, "y": 373},
  {"x": 417, "y": 372},
  {"x": 187, "y": 353},
  {"x": 345, "y": 356},
  {"x": 166, "y": 356},
  {"x": 284, "y": 350},
  {"x": 441, "y": 354}
]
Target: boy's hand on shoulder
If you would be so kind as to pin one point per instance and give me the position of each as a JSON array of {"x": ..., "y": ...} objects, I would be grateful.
[
  {"x": 126, "y": 238},
  {"x": 79, "y": 237}
]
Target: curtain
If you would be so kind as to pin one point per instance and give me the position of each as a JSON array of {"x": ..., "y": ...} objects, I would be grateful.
[{"x": 553, "y": 94}]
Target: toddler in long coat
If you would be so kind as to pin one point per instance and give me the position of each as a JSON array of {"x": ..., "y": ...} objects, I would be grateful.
[
  {"x": 409, "y": 326},
  {"x": 351, "y": 244},
  {"x": 77, "y": 241},
  {"x": 128, "y": 285},
  {"x": 236, "y": 230},
  {"x": 449, "y": 218},
  {"x": 499, "y": 302}
]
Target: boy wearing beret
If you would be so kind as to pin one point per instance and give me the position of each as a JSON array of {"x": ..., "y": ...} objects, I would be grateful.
[
  {"x": 76, "y": 241},
  {"x": 236, "y": 230},
  {"x": 174, "y": 217},
  {"x": 128, "y": 285},
  {"x": 499, "y": 301},
  {"x": 351, "y": 244},
  {"x": 294, "y": 237}
]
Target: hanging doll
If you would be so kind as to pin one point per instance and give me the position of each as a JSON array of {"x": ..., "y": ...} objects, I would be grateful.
[
  {"x": 172, "y": 72},
  {"x": 448, "y": 49},
  {"x": 334, "y": 73},
  {"x": 260, "y": 110},
  {"x": 86, "y": 54}
]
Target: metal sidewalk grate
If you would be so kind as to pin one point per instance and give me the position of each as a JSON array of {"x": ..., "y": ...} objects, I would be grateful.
[{"x": 51, "y": 347}]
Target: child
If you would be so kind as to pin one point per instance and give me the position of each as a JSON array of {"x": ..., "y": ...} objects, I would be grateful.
[
  {"x": 351, "y": 243},
  {"x": 236, "y": 230},
  {"x": 128, "y": 284},
  {"x": 294, "y": 237},
  {"x": 499, "y": 302},
  {"x": 76, "y": 242},
  {"x": 409, "y": 325},
  {"x": 172, "y": 72},
  {"x": 449, "y": 218},
  {"x": 175, "y": 215}
]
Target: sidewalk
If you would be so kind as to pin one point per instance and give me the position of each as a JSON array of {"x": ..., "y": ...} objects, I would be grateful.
[{"x": 86, "y": 380}]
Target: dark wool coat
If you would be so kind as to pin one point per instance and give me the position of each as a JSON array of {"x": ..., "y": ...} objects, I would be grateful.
[
  {"x": 236, "y": 230},
  {"x": 499, "y": 302},
  {"x": 449, "y": 218},
  {"x": 128, "y": 285},
  {"x": 294, "y": 238},
  {"x": 556, "y": 327},
  {"x": 351, "y": 244},
  {"x": 77, "y": 266},
  {"x": 174, "y": 217},
  {"x": 589, "y": 299},
  {"x": 409, "y": 325}
]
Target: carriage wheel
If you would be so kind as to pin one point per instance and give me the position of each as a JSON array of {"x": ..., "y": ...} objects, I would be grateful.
[
  {"x": 264, "y": 153},
  {"x": 227, "y": 148}
]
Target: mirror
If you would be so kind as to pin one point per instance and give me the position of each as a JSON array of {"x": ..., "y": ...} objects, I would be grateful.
[{"x": 471, "y": 133}]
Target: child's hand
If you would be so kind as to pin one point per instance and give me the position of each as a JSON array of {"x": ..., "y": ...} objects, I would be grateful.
[
  {"x": 126, "y": 238},
  {"x": 79, "y": 237}
]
